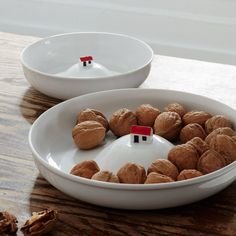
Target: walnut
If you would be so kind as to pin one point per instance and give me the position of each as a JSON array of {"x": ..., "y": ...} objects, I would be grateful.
[
  {"x": 191, "y": 131},
  {"x": 91, "y": 114},
  {"x": 176, "y": 107},
  {"x": 146, "y": 114},
  {"x": 199, "y": 117},
  {"x": 200, "y": 145},
  {"x": 164, "y": 167},
  {"x": 183, "y": 156},
  {"x": 121, "y": 121},
  {"x": 85, "y": 169},
  {"x": 234, "y": 138},
  {"x": 40, "y": 223},
  {"x": 168, "y": 125},
  {"x": 223, "y": 130},
  {"x": 216, "y": 122},
  {"x": 88, "y": 134},
  {"x": 8, "y": 223},
  {"x": 225, "y": 146},
  {"x": 188, "y": 174},
  {"x": 106, "y": 176},
  {"x": 210, "y": 161},
  {"x": 132, "y": 173},
  {"x": 154, "y": 178}
]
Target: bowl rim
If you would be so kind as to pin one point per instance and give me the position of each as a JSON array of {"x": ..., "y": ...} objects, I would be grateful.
[
  {"x": 122, "y": 186},
  {"x": 60, "y": 77}
]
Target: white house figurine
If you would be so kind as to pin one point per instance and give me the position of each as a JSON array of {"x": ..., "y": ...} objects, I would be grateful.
[
  {"x": 85, "y": 60},
  {"x": 141, "y": 134}
]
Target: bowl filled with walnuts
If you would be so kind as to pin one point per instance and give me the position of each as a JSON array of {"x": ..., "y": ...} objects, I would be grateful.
[{"x": 137, "y": 148}]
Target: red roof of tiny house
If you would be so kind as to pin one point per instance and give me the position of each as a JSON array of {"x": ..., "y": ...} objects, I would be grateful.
[
  {"x": 141, "y": 130},
  {"x": 88, "y": 58}
]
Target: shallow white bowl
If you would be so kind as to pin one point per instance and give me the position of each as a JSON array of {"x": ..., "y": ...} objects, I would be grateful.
[
  {"x": 55, "y": 153},
  {"x": 52, "y": 65}
]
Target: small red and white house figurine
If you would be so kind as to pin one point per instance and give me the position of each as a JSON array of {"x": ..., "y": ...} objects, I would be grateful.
[
  {"x": 141, "y": 134},
  {"x": 86, "y": 60}
]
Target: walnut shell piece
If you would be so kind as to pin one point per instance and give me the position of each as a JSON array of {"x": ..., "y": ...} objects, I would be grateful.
[
  {"x": 225, "y": 146},
  {"x": 222, "y": 130},
  {"x": 199, "y": 117},
  {"x": 154, "y": 178},
  {"x": 168, "y": 125},
  {"x": 92, "y": 114},
  {"x": 176, "y": 107},
  {"x": 200, "y": 145},
  {"x": 164, "y": 167},
  {"x": 8, "y": 223},
  {"x": 106, "y": 176},
  {"x": 85, "y": 169},
  {"x": 188, "y": 174},
  {"x": 121, "y": 121},
  {"x": 132, "y": 173},
  {"x": 191, "y": 131},
  {"x": 146, "y": 114},
  {"x": 216, "y": 122},
  {"x": 210, "y": 161},
  {"x": 88, "y": 134},
  {"x": 183, "y": 156},
  {"x": 40, "y": 223}
]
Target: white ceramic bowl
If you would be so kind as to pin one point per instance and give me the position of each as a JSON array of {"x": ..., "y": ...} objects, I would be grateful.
[
  {"x": 52, "y": 65},
  {"x": 55, "y": 153}
]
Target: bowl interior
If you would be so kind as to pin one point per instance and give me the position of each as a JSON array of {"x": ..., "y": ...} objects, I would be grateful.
[
  {"x": 51, "y": 136},
  {"x": 117, "y": 53}
]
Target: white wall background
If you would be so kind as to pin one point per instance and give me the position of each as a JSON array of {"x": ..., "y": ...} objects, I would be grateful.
[{"x": 201, "y": 29}]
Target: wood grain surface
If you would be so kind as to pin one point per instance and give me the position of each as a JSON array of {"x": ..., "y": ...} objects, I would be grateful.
[{"x": 23, "y": 190}]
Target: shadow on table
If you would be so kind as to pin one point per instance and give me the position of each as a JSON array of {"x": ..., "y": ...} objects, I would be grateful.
[
  {"x": 212, "y": 216},
  {"x": 34, "y": 103}
]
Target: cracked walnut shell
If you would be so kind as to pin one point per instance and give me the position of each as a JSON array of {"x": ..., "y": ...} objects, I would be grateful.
[
  {"x": 121, "y": 121},
  {"x": 106, "y": 176},
  {"x": 188, "y": 174},
  {"x": 200, "y": 145},
  {"x": 164, "y": 167},
  {"x": 8, "y": 223},
  {"x": 88, "y": 134},
  {"x": 216, "y": 122},
  {"x": 210, "y": 161},
  {"x": 191, "y": 131},
  {"x": 183, "y": 156},
  {"x": 85, "y": 169},
  {"x": 155, "y": 178},
  {"x": 40, "y": 223},
  {"x": 222, "y": 130},
  {"x": 176, "y": 107},
  {"x": 91, "y": 114},
  {"x": 132, "y": 173},
  {"x": 199, "y": 117},
  {"x": 146, "y": 114},
  {"x": 168, "y": 125}
]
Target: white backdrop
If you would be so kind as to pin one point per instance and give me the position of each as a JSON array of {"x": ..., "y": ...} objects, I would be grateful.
[{"x": 201, "y": 29}]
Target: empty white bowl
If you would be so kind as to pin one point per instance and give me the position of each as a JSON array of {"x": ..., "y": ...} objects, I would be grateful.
[
  {"x": 55, "y": 153},
  {"x": 55, "y": 67}
]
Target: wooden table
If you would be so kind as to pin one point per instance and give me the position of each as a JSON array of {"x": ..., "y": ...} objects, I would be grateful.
[{"x": 23, "y": 190}]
